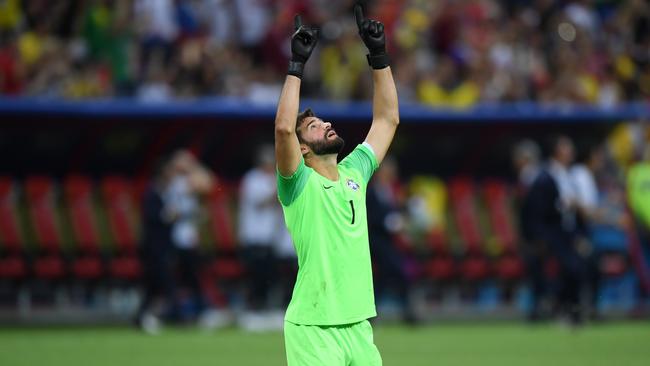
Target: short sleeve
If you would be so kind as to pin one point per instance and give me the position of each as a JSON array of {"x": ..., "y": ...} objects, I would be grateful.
[
  {"x": 289, "y": 188},
  {"x": 363, "y": 159}
]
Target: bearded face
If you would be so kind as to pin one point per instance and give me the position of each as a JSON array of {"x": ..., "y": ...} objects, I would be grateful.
[
  {"x": 319, "y": 136},
  {"x": 326, "y": 146}
]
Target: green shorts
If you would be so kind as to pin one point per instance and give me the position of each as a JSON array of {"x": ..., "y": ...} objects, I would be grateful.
[{"x": 336, "y": 345}]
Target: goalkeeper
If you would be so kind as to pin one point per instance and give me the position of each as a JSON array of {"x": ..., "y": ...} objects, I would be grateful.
[{"x": 324, "y": 205}]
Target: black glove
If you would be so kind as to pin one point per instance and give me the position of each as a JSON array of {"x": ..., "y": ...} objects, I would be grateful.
[
  {"x": 303, "y": 41},
  {"x": 372, "y": 34}
]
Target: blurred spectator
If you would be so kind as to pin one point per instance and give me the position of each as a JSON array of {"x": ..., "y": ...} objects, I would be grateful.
[
  {"x": 10, "y": 15},
  {"x": 444, "y": 87},
  {"x": 558, "y": 224},
  {"x": 549, "y": 226},
  {"x": 155, "y": 88},
  {"x": 385, "y": 222},
  {"x": 11, "y": 71},
  {"x": 156, "y": 250},
  {"x": 155, "y": 22},
  {"x": 533, "y": 186},
  {"x": 262, "y": 232},
  {"x": 526, "y": 159},
  {"x": 190, "y": 180},
  {"x": 588, "y": 200},
  {"x": 341, "y": 66},
  {"x": 584, "y": 177}
]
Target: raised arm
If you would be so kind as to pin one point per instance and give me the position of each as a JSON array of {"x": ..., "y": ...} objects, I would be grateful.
[
  {"x": 385, "y": 113},
  {"x": 287, "y": 147}
]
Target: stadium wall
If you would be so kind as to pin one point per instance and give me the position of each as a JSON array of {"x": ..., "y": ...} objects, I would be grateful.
[{"x": 122, "y": 136}]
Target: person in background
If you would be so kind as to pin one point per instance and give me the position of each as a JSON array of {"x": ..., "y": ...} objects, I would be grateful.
[
  {"x": 638, "y": 188},
  {"x": 533, "y": 182},
  {"x": 558, "y": 227},
  {"x": 261, "y": 231},
  {"x": 526, "y": 159},
  {"x": 385, "y": 221},
  {"x": 588, "y": 204},
  {"x": 190, "y": 181},
  {"x": 156, "y": 251}
]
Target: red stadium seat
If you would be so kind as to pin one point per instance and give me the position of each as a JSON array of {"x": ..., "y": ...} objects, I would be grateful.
[
  {"x": 79, "y": 202},
  {"x": 474, "y": 265},
  {"x": 496, "y": 197},
  {"x": 475, "y": 268},
  {"x": 40, "y": 197},
  {"x": 226, "y": 265},
  {"x": 125, "y": 267},
  {"x": 9, "y": 230},
  {"x": 40, "y": 193},
  {"x": 221, "y": 218},
  {"x": 227, "y": 268},
  {"x": 442, "y": 267},
  {"x": 508, "y": 265},
  {"x": 118, "y": 197},
  {"x": 78, "y": 193},
  {"x": 465, "y": 214},
  {"x": 431, "y": 192},
  {"x": 12, "y": 267},
  {"x": 12, "y": 263}
]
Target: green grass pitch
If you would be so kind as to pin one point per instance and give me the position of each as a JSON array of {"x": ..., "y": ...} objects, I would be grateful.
[{"x": 499, "y": 344}]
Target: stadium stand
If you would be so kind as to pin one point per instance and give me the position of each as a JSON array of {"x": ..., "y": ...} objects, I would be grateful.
[
  {"x": 12, "y": 257},
  {"x": 118, "y": 201},
  {"x": 431, "y": 194},
  {"x": 474, "y": 265},
  {"x": 49, "y": 263},
  {"x": 508, "y": 265},
  {"x": 87, "y": 264}
]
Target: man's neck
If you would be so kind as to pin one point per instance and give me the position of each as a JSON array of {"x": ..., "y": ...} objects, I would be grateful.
[{"x": 324, "y": 165}]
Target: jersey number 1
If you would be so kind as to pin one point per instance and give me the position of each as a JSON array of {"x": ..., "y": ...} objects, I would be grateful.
[{"x": 352, "y": 207}]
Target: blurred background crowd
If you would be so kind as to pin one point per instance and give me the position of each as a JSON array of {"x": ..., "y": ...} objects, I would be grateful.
[{"x": 445, "y": 53}]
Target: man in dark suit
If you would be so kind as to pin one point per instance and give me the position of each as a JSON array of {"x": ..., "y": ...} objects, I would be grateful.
[
  {"x": 156, "y": 251},
  {"x": 526, "y": 156},
  {"x": 549, "y": 224}
]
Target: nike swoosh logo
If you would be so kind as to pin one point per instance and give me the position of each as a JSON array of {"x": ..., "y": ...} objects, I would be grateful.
[{"x": 327, "y": 187}]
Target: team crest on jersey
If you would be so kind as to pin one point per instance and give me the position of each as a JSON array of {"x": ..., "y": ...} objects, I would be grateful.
[{"x": 353, "y": 185}]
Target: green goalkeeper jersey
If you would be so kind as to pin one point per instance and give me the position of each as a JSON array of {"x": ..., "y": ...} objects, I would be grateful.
[{"x": 328, "y": 225}]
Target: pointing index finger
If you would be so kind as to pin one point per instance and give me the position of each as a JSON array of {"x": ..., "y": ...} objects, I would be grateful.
[
  {"x": 297, "y": 22},
  {"x": 358, "y": 15}
]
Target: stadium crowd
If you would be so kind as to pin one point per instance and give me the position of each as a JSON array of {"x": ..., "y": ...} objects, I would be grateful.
[{"x": 445, "y": 53}]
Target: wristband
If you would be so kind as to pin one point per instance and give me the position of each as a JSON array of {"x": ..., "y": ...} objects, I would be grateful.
[
  {"x": 296, "y": 68},
  {"x": 379, "y": 61}
]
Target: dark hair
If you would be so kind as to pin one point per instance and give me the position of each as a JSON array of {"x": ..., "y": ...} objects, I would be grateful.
[
  {"x": 160, "y": 165},
  {"x": 301, "y": 116},
  {"x": 554, "y": 141},
  {"x": 584, "y": 149}
]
